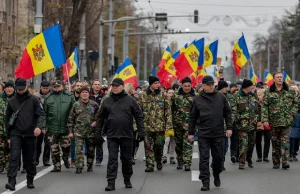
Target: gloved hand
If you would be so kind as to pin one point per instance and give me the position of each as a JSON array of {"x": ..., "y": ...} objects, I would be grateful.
[
  {"x": 99, "y": 140},
  {"x": 169, "y": 133},
  {"x": 141, "y": 136}
]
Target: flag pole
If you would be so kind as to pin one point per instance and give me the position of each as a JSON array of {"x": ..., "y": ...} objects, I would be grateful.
[{"x": 68, "y": 77}]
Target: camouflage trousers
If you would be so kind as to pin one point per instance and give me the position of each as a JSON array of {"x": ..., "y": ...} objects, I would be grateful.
[
  {"x": 90, "y": 151},
  {"x": 184, "y": 147},
  {"x": 246, "y": 145},
  {"x": 154, "y": 147},
  {"x": 280, "y": 144},
  {"x": 4, "y": 152},
  {"x": 59, "y": 142}
]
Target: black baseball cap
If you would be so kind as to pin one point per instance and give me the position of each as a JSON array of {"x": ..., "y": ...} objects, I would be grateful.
[
  {"x": 56, "y": 83},
  {"x": 117, "y": 82},
  {"x": 208, "y": 79},
  {"x": 45, "y": 83},
  {"x": 20, "y": 84}
]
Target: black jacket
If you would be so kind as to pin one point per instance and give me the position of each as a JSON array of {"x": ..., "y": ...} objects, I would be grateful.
[
  {"x": 210, "y": 110},
  {"x": 118, "y": 112},
  {"x": 96, "y": 98},
  {"x": 29, "y": 116}
]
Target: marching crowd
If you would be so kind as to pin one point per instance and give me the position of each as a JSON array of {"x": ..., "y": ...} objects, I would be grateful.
[{"x": 73, "y": 119}]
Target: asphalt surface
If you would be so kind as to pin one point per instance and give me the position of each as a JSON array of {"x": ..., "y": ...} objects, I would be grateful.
[{"x": 261, "y": 179}]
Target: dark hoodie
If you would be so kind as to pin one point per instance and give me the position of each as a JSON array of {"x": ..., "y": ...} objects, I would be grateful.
[
  {"x": 211, "y": 110},
  {"x": 118, "y": 111}
]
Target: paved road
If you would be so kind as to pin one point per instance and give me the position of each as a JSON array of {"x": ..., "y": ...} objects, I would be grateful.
[{"x": 261, "y": 179}]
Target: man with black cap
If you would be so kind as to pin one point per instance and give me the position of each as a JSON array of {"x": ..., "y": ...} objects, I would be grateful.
[
  {"x": 210, "y": 108},
  {"x": 246, "y": 114},
  {"x": 9, "y": 90},
  {"x": 157, "y": 111},
  {"x": 181, "y": 105},
  {"x": 118, "y": 111},
  {"x": 44, "y": 91},
  {"x": 23, "y": 123},
  {"x": 57, "y": 107}
]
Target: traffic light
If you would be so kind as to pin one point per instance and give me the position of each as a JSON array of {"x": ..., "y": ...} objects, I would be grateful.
[{"x": 196, "y": 16}]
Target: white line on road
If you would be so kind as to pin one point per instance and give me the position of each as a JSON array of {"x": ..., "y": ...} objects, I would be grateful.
[
  {"x": 195, "y": 143},
  {"x": 195, "y": 175},
  {"x": 195, "y": 155},
  {"x": 24, "y": 183}
]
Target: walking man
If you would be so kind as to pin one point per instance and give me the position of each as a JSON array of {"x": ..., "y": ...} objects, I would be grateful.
[
  {"x": 210, "y": 108},
  {"x": 279, "y": 105},
  {"x": 22, "y": 132}
]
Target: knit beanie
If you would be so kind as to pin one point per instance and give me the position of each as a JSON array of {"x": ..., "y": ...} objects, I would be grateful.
[
  {"x": 246, "y": 83},
  {"x": 152, "y": 79}
]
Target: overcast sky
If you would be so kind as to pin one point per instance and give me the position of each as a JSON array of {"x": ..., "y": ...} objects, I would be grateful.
[{"x": 265, "y": 10}]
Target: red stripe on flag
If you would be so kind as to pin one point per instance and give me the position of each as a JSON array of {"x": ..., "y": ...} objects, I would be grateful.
[
  {"x": 25, "y": 69},
  {"x": 162, "y": 63},
  {"x": 236, "y": 67},
  {"x": 132, "y": 80},
  {"x": 183, "y": 68}
]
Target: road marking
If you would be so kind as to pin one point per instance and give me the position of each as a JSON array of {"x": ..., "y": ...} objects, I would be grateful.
[
  {"x": 195, "y": 175},
  {"x": 195, "y": 155},
  {"x": 24, "y": 183},
  {"x": 195, "y": 143}
]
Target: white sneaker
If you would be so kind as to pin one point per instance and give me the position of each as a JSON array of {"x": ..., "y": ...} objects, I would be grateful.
[{"x": 144, "y": 158}]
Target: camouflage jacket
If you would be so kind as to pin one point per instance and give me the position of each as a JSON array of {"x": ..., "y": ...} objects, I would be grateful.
[
  {"x": 181, "y": 106},
  {"x": 157, "y": 111},
  {"x": 3, "y": 105},
  {"x": 81, "y": 117},
  {"x": 279, "y": 107},
  {"x": 245, "y": 110}
]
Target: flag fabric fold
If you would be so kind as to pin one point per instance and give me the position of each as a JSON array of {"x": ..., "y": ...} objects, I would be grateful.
[
  {"x": 211, "y": 54},
  {"x": 198, "y": 78},
  {"x": 44, "y": 52},
  {"x": 188, "y": 62},
  {"x": 268, "y": 78},
  {"x": 253, "y": 76},
  {"x": 166, "y": 56},
  {"x": 70, "y": 68},
  {"x": 286, "y": 78},
  {"x": 127, "y": 73},
  {"x": 240, "y": 54}
]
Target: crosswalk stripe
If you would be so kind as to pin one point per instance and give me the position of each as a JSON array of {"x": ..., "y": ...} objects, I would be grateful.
[
  {"x": 195, "y": 175},
  {"x": 195, "y": 155}
]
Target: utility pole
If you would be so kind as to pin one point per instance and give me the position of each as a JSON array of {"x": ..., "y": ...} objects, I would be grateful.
[
  {"x": 38, "y": 29},
  {"x": 293, "y": 66},
  {"x": 100, "y": 52},
  {"x": 279, "y": 54},
  {"x": 82, "y": 48},
  {"x": 269, "y": 56},
  {"x": 110, "y": 43},
  {"x": 145, "y": 59},
  {"x": 138, "y": 66}
]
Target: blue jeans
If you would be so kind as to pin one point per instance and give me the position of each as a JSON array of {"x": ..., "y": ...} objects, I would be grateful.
[{"x": 99, "y": 153}]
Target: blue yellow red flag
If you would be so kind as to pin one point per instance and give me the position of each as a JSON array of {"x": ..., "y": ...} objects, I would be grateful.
[
  {"x": 45, "y": 51},
  {"x": 253, "y": 76},
  {"x": 268, "y": 78},
  {"x": 127, "y": 73},
  {"x": 72, "y": 65},
  {"x": 211, "y": 54},
  {"x": 240, "y": 54},
  {"x": 286, "y": 78}
]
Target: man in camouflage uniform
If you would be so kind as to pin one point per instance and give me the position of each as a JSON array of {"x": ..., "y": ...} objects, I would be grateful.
[
  {"x": 81, "y": 124},
  {"x": 156, "y": 107},
  {"x": 181, "y": 105},
  {"x": 246, "y": 113},
  {"x": 4, "y": 148},
  {"x": 279, "y": 107},
  {"x": 57, "y": 108}
]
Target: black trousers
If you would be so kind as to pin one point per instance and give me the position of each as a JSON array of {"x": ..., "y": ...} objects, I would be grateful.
[
  {"x": 216, "y": 147},
  {"x": 267, "y": 141},
  {"x": 234, "y": 150},
  {"x": 46, "y": 154},
  {"x": 135, "y": 143},
  {"x": 125, "y": 146},
  {"x": 99, "y": 153},
  {"x": 27, "y": 145}
]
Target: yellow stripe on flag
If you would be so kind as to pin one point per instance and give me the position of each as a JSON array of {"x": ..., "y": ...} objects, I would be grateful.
[
  {"x": 208, "y": 59},
  {"x": 127, "y": 73},
  {"x": 241, "y": 59}
]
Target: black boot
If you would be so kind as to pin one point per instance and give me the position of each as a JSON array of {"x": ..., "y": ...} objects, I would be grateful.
[
  {"x": 66, "y": 161},
  {"x": 110, "y": 185},
  {"x": 217, "y": 180},
  {"x": 78, "y": 170},
  {"x": 90, "y": 168},
  {"x": 250, "y": 163},
  {"x": 285, "y": 166},
  {"x": 30, "y": 184},
  {"x": 127, "y": 183},
  {"x": 11, "y": 185},
  {"x": 187, "y": 167},
  {"x": 149, "y": 169},
  {"x": 205, "y": 187},
  {"x": 179, "y": 167},
  {"x": 159, "y": 166}
]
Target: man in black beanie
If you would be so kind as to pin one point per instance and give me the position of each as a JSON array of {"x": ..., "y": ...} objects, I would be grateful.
[
  {"x": 156, "y": 107},
  {"x": 245, "y": 110}
]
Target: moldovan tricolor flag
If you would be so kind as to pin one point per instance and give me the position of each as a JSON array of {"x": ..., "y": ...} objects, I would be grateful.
[
  {"x": 211, "y": 54},
  {"x": 188, "y": 62},
  {"x": 268, "y": 78},
  {"x": 44, "y": 52},
  {"x": 70, "y": 68},
  {"x": 127, "y": 73},
  {"x": 166, "y": 56},
  {"x": 286, "y": 78},
  {"x": 240, "y": 55},
  {"x": 253, "y": 76}
]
